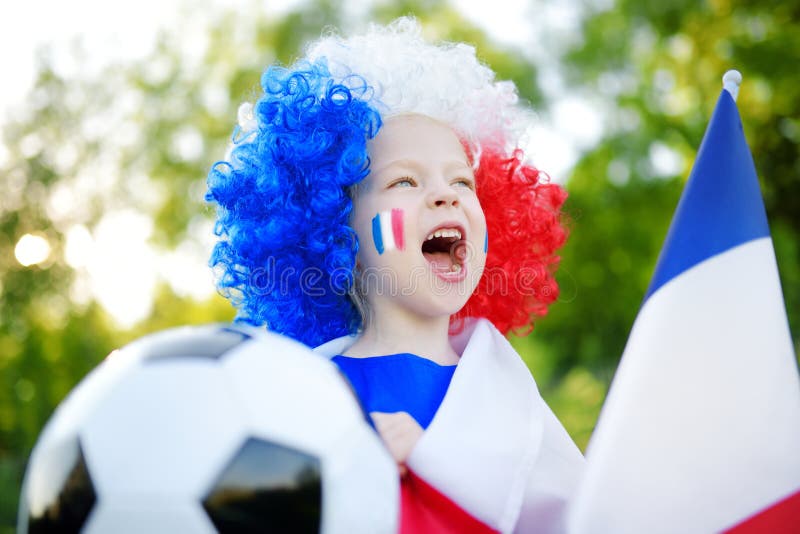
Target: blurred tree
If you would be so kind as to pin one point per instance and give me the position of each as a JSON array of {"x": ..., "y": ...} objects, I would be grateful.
[
  {"x": 658, "y": 68},
  {"x": 138, "y": 137}
]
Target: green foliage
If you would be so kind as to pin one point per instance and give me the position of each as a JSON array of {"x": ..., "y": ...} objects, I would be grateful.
[
  {"x": 659, "y": 67},
  {"x": 85, "y": 147},
  {"x": 616, "y": 233}
]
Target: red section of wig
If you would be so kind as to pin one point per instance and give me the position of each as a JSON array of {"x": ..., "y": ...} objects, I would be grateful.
[{"x": 524, "y": 221}]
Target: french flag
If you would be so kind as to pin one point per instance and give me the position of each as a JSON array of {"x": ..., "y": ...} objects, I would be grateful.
[
  {"x": 387, "y": 230},
  {"x": 700, "y": 431}
]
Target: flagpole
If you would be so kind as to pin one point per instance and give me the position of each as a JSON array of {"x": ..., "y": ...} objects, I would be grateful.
[{"x": 731, "y": 81}]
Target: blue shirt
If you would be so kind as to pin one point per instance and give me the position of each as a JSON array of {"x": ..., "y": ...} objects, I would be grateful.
[{"x": 398, "y": 383}]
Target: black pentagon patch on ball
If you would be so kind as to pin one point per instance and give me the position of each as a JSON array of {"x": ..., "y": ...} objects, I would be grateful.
[
  {"x": 71, "y": 495},
  {"x": 211, "y": 343},
  {"x": 267, "y": 487}
]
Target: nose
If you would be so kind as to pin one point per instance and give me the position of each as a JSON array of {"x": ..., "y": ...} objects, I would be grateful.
[{"x": 442, "y": 196}]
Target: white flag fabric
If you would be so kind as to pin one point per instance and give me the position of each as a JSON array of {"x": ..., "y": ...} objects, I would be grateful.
[{"x": 701, "y": 427}]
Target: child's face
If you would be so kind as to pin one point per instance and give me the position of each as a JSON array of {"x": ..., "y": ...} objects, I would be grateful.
[{"x": 420, "y": 184}]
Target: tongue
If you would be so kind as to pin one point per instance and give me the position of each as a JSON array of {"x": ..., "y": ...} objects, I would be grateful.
[{"x": 440, "y": 261}]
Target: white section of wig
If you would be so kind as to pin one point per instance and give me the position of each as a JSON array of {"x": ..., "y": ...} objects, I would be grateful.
[
  {"x": 246, "y": 117},
  {"x": 444, "y": 81}
]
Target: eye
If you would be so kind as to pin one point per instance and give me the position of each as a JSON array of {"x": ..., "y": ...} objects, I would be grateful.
[
  {"x": 469, "y": 183},
  {"x": 405, "y": 181}
]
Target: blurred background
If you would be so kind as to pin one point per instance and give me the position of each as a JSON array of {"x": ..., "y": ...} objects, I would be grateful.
[{"x": 112, "y": 114}]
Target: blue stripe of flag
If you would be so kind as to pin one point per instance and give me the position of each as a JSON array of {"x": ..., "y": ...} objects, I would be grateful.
[
  {"x": 377, "y": 236},
  {"x": 721, "y": 205}
]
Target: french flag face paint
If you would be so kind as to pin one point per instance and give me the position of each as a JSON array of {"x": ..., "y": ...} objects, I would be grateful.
[{"x": 387, "y": 231}]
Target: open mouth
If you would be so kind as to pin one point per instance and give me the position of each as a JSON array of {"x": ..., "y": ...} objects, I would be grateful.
[{"x": 445, "y": 249}]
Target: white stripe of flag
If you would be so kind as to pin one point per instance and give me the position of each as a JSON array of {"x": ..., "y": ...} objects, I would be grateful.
[{"x": 386, "y": 230}]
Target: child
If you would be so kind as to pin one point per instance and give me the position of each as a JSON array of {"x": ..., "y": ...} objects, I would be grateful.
[{"x": 375, "y": 202}]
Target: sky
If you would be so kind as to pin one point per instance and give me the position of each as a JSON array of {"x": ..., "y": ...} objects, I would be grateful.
[{"x": 125, "y": 31}]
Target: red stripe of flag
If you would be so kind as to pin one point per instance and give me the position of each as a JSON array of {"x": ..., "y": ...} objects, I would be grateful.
[
  {"x": 783, "y": 517},
  {"x": 425, "y": 510},
  {"x": 397, "y": 228}
]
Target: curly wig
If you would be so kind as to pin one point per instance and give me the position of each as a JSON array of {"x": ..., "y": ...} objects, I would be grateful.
[{"x": 286, "y": 253}]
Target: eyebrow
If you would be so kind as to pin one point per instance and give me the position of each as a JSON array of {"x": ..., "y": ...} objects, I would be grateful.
[{"x": 414, "y": 166}]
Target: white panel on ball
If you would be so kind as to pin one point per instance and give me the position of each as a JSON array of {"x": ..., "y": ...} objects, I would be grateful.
[
  {"x": 366, "y": 465},
  {"x": 164, "y": 430},
  {"x": 149, "y": 515},
  {"x": 309, "y": 383}
]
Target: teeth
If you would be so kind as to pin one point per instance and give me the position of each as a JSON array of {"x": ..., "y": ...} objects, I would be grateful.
[{"x": 445, "y": 233}]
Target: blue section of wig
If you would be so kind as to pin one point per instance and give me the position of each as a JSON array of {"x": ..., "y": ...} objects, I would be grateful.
[{"x": 286, "y": 253}]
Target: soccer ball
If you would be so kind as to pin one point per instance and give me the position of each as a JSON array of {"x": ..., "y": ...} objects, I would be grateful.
[{"x": 204, "y": 429}]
